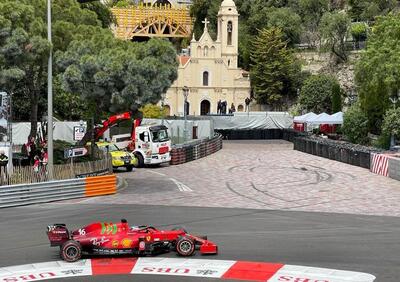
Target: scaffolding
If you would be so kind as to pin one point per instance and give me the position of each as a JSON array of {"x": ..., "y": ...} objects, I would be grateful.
[{"x": 154, "y": 21}]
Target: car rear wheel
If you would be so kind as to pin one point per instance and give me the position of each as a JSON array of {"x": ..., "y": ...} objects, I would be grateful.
[
  {"x": 185, "y": 247},
  {"x": 71, "y": 251}
]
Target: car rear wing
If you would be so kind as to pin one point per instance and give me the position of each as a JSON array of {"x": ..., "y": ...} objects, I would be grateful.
[{"x": 58, "y": 234}]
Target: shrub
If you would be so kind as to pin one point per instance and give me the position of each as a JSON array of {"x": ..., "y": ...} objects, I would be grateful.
[
  {"x": 152, "y": 111},
  {"x": 355, "y": 125},
  {"x": 391, "y": 122},
  {"x": 317, "y": 93},
  {"x": 359, "y": 31}
]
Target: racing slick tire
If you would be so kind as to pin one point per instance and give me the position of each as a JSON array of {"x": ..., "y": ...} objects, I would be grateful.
[
  {"x": 185, "y": 247},
  {"x": 71, "y": 251}
]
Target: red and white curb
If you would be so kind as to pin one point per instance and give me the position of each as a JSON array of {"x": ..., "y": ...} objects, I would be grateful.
[{"x": 223, "y": 269}]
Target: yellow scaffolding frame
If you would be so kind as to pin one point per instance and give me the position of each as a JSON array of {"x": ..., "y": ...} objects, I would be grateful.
[{"x": 155, "y": 21}]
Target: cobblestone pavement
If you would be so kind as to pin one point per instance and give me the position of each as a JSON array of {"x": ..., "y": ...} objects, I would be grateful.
[{"x": 262, "y": 175}]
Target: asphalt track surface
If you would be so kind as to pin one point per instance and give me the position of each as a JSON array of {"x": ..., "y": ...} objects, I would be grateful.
[{"x": 348, "y": 242}]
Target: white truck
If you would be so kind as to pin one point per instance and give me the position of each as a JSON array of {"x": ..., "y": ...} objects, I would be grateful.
[{"x": 150, "y": 144}]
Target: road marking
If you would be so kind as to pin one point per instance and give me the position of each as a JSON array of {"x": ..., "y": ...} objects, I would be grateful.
[
  {"x": 207, "y": 268},
  {"x": 155, "y": 172},
  {"x": 182, "y": 187}
]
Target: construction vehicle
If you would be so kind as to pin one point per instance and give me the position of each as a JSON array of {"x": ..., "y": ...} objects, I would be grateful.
[{"x": 150, "y": 144}]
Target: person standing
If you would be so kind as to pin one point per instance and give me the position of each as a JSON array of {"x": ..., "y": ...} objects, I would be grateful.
[
  {"x": 3, "y": 167},
  {"x": 219, "y": 107},
  {"x": 232, "y": 108},
  {"x": 247, "y": 102}
]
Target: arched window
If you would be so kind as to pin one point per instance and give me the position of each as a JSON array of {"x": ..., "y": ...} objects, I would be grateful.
[
  {"x": 205, "y": 78},
  {"x": 230, "y": 30},
  {"x": 206, "y": 51},
  {"x": 229, "y": 63}
]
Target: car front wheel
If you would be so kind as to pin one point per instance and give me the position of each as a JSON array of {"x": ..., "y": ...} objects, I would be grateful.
[{"x": 185, "y": 247}]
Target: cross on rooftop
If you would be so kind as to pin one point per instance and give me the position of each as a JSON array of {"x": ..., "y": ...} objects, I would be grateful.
[{"x": 205, "y": 22}]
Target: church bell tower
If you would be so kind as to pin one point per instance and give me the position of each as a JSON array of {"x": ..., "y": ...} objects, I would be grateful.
[{"x": 228, "y": 24}]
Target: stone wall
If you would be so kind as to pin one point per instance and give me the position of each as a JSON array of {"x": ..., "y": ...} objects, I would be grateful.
[{"x": 316, "y": 63}]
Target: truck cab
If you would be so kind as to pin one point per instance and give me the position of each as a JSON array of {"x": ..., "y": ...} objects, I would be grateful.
[{"x": 152, "y": 145}]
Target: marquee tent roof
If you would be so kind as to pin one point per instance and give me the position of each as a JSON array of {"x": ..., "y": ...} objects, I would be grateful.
[
  {"x": 323, "y": 118},
  {"x": 304, "y": 118}
]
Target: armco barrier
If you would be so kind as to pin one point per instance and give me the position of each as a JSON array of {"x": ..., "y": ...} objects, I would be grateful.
[
  {"x": 26, "y": 194},
  {"x": 189, "y": 152}
]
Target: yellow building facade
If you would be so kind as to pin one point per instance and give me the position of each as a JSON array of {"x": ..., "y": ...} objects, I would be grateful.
[{"x": 211, "y": 70}]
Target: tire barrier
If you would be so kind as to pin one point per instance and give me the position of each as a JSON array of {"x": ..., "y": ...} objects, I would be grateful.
[
  {"x": 26, "y": 194},
  {"x": 342, "y": 152},
  {"x": 193, "y": 151}
]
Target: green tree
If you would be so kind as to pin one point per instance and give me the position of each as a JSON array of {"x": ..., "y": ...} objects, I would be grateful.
[
  {"x": 377, "y": 74},
  {"x": 336, "y": 98},
  {"x": 334, "y": 30},
  {"x": 317, "y": 93},
  {"x": 391, "y": 123},
  {"x": 152, "y": 111},
  {"x": 118, "y": 75},
  {"x": 103, "y": 13},
  {"x": 355, "y": 125},
  {"x": 201, "y": 9},
  {"x": 311, "y": 11},
  {"x": 274, "y": 69},
  {"x": 24, "y": 48},
  {"x": 367, "y": 10}
]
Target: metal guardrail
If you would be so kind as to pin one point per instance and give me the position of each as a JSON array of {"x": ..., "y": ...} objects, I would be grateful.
[{"x": 36, "y": 193}]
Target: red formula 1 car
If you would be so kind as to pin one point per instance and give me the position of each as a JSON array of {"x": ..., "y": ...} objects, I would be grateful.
[{"x": 120, "y": 238}]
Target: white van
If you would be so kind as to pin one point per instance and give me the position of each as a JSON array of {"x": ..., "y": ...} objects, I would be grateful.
[{"x": 122, "y": 140}]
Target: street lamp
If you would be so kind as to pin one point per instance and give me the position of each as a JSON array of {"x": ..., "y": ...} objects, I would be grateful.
[
  {"x": 185, "y": 96},
  {"x": 49, "y": 97}
]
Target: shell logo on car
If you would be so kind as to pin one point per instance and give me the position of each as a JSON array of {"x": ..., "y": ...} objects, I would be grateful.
[{"x": 126, "y": 243}]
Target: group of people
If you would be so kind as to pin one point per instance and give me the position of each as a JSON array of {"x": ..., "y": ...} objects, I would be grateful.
[
  {"x": 37, "y": 158},
  {"x": 222, "y": 107}
]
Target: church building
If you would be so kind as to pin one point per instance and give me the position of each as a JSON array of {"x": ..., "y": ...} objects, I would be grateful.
[{"x": 211, "y": 70}]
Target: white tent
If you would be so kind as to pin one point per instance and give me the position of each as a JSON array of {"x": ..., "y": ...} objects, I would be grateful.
[
  {"x": 324, "y": 118},
  {"x": 337, "y": 118},
  {"x": 304, "y": 118}
]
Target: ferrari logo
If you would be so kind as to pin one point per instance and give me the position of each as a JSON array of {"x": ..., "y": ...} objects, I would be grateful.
[
  {"x": 148, "y": 238},
  {"x": 126, "y": 243},
  {"x": 115, "y": 243}
]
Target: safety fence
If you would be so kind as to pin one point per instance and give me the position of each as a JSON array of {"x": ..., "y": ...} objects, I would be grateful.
[
  {"x": 185, "y": 153},
  {"x": 28, "y": 174},
  {"x": 386, "y": 165},
  {"x": 19, "y": 195}
]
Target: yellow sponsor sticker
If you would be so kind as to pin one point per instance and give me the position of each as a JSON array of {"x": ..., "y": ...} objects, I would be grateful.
[
  {"x": 115, "y": 243},
  {"x": 126, "y": 243}
]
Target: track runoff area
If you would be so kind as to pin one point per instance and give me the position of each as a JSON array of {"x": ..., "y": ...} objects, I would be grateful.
[{"x": 205, "y": 268}]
